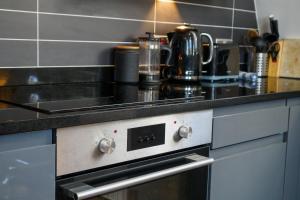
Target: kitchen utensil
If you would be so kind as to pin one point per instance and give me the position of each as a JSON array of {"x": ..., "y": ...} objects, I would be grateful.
[
  {"x": 274, "y": 26},
  {"x": 274, "y": 51},
  {"x": 187, "y": 53},
  {"x": 225, "y": 64},
  {"x": 262, "y": 62},
  {"x": 270, "y": 37},
  {"x": 149, "y": 65},
  {"x": 127, "y": 64},
  {"x": 251, "y": 36}
]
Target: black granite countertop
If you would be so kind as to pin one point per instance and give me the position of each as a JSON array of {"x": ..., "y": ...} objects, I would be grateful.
[{"x": 126, "y": 102}]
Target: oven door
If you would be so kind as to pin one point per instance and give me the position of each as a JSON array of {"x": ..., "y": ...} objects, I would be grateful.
[{"x": 180, "y": 176}]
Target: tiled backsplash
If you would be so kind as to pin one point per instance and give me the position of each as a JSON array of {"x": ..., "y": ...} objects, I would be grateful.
[{"x": 44, "y": 37}]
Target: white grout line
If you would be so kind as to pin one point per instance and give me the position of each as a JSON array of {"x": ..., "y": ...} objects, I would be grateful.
[
  {"x": 202, "y": 25},
  {"x": 18, "y": 39},
  {"x": 65, "y": 41},
  {"x": 37, "y": 34},
  {"x": 86, "y": 41},
  {"x": 258, "y": 25},
  {"x": 243, "y": 10},
  {"x": 115, "y": 42},
  {"x": 155, "y": 15},
  {"x": 195, "y": 4},
  {"x": 131, "y": 19},
  {"x": 20, "y": 11},
  {"x": 242, "y": 28},
  {"x": 63, "y": 66},
  {"x": 96, "y": 17},
  {"x": 77, "y": 66},
  {"x": 232, "y": 23}
]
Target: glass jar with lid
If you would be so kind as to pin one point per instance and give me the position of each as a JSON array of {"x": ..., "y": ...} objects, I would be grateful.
[{"x": 149, "y": 62}]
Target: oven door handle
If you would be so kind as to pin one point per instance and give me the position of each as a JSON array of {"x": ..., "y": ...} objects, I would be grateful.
[{"x": 85, "y": 191}]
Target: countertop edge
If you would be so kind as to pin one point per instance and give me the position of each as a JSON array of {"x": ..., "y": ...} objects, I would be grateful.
[{"x": 54, "y": 122}]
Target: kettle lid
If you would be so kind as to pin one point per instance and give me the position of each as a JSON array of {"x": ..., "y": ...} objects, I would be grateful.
[{"x": 185, "y": 28}]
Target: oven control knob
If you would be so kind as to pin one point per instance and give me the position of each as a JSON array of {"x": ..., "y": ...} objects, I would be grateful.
[
  {"x": 107, "y": 145},
  {"x": 184, "y": 132}
]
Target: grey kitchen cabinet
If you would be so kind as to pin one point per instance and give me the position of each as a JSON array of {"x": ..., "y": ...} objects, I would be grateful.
[
  {"x": 292, "y": 176},
  {"x": 238, "y": 124},
  {"x": 27, "y": 166},
  {"x": 251, "y": 170},
  {"x": 249, "y": 145}
]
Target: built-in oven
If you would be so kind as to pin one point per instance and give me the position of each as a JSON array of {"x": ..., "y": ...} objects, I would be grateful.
[{"x": 159, "y": 158}]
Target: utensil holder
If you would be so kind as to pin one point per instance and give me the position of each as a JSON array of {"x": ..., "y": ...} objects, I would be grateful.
[{"x": 262, "y": 63}]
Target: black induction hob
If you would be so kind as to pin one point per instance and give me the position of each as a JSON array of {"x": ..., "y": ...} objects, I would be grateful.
[{"x": 63, "y": 98}]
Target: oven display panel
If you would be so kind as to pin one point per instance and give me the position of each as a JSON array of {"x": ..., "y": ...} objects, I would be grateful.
[{"x": 144, "y": 137}]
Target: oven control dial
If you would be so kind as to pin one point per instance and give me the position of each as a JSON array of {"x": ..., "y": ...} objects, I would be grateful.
[
  {"x": 107, "y": 145},
  {"x": 185, "y": 132}
]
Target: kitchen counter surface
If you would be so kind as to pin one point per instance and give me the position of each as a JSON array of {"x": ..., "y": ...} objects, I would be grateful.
[{"x": 15, "y": 119}]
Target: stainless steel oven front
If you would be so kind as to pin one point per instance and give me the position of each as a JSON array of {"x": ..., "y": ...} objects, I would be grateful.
[{"x": 158, "y": 158}]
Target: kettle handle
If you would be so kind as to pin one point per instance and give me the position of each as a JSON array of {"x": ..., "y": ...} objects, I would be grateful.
[
  {"x": 211, "y": 48},
  {"x": 169, "y": 50}
]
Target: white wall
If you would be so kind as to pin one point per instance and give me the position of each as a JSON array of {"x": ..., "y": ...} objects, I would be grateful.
[{"x": 286, "y": 11}]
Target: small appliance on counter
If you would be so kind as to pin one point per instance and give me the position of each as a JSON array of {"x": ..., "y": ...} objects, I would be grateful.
[
  {"x": 265, "y": 46},
  {"x": 225, "y": 64},
  {"x": 126, "y": 60},
  {"x": 187, "y": 54},
  {"x": 149, "y": 64}
]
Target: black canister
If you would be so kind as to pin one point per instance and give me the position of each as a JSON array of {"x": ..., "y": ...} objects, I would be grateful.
[{"x": 127, "y": 64}]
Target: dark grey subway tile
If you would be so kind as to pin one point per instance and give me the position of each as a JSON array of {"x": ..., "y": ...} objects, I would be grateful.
[
  {"x": 71, "y": 53},
  {"x": 163, "y": 29},
  {"x": 18, "y": 53},
  {"x": 240, "y": 36},
  {"x": 78, "y": 28},
  {"x": 112, "y": 8},
  {"x": 245, "y": 19},
  {"x": 17, "y": 25},
  {"x": 245, "y": 4},
  {"x": 27, "y": 5},
  {"x": 182, "y": 13},
  {"x": 223, "y": 3}
]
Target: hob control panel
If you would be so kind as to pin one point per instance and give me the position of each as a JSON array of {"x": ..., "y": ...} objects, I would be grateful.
[{"x": 145, "y": 137}]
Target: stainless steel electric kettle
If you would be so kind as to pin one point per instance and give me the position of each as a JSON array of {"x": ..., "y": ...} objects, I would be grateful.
[{"x": 187, "y": 54}]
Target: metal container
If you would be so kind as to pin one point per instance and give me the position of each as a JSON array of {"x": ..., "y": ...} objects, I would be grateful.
[{"x": 262, "y": 63}]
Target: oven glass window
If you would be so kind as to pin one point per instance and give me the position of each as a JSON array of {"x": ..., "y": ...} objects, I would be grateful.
[{"x": 186, "y": 186}]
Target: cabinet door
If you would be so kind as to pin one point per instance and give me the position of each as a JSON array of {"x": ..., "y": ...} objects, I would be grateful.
[
  {"x": 252, "y": 174},
  {"x": 27, "y": 166},
  {"x": 28, "y": 174},
  {"x": 292, "y": 177}
]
